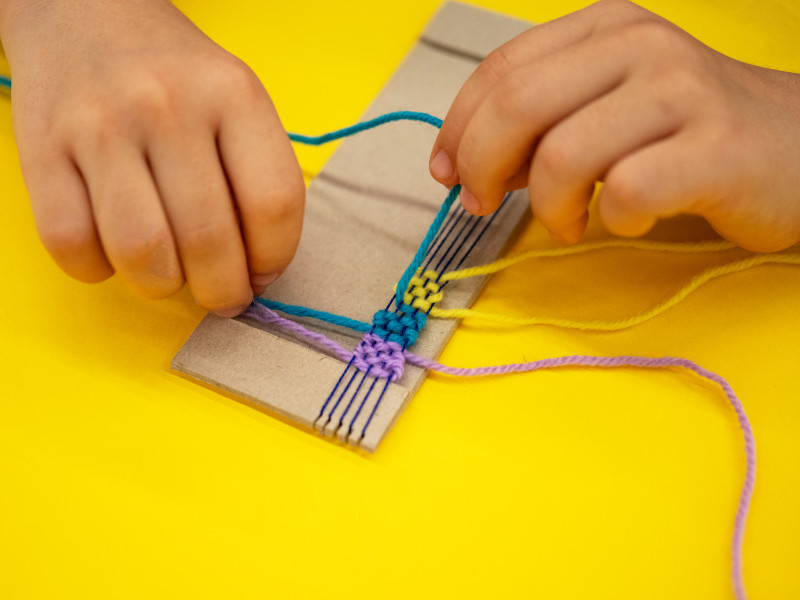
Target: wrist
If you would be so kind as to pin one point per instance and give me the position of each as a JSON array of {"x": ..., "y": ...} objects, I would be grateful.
[
  {"x": 13, "y": 16},
  {"x": 9, "y": 11}
]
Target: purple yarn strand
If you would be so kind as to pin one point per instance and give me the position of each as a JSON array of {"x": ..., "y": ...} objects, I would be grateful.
[
  {"x": 267, "y": 316},
  {"x": 746, "y": 493},
  {"x": 264, "y": 315}
]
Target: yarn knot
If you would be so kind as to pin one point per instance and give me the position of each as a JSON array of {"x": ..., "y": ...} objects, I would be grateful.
[
  {"x": 380, "y": 357},
  {"x": 423, "y": 291},
  {"x": 403, "y": 325}
]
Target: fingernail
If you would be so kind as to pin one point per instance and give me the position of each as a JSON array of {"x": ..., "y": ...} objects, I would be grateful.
[
  {"x": 468, "y": 201},
  {"x": 229, "y": 313},
  {"x": 441, "y": 166}
]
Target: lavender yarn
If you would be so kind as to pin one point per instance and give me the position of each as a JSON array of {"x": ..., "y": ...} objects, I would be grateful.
[{"x": 386, "y": 362}]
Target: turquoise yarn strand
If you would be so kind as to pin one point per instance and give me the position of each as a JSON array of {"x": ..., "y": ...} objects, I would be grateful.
[
  {"x": 320, "y": 315},
  {"x": 411, "y": 269},
  {"x": 400, "y": 115}
]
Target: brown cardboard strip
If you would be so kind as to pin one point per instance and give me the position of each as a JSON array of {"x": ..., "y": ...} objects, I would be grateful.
[{"x": 366, "y": 214}]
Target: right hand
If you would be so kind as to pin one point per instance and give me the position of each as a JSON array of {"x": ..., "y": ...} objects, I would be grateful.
[{"x": 615, "y": 93}]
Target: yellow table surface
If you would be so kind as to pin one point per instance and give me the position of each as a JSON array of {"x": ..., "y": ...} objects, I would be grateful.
[{"x": 120, "y": 479}]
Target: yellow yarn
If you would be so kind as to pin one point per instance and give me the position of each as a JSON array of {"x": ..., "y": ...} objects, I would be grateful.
[
  {"x": 423, "y": 291},
  {"x": 613, "y": 325},
  {"x": 655, "y": 246}
]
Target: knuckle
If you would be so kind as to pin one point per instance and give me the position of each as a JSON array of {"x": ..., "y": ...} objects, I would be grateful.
[
  {"x": 148, "y": 262},
  {"x": 94, "y": 119},
  {"x": 668, "y": 107},
  {"x": 652, "y": 35},
  {"x": 151, "y": 98},
  {"x": 625, "y": 188},
  {"x": 139, "y": 252},
  {"x": 615, "y": 5},
  {"x": 282, "y": 204},
  {"x": 102, "y": 115},
  {"x": 685, "y": 83},
  {"x": 727, "y": 144},
  {"x": 511, "y": 96},
  {"x": 496, "y": 64},
  {"x": 203, "y": 240},
  {"x": 556, "y": 157},
  {"x": 230, "y": 73}
]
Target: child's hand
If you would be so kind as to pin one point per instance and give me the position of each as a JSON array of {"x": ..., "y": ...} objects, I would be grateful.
[
  {"x": 617, "y": 94},
  {"x": 149, "y": 151}
]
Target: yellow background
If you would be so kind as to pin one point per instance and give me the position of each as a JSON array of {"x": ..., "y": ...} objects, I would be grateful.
[{"x": 119, "y": 479}]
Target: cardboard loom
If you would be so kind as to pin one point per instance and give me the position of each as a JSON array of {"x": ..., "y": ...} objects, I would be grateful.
[{"x": 366, "y": 214}]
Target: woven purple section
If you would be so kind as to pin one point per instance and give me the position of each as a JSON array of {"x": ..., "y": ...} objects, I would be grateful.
[{"x": 379, "y": 357}]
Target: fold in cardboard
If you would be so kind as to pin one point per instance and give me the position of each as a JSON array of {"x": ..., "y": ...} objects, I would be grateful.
[{"x": 366, "y": 214}]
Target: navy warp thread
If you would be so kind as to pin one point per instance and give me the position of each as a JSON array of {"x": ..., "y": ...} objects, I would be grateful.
[
  {"x": 436, "y": 245},
  {"x": 402, "y": 324},
  {"x": 454, "y": 247}
]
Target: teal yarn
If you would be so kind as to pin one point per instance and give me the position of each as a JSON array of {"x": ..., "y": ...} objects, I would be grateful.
[
  {"x": 401, "y": 327},
  {"x": 412, "y": 268},
  {"x": 320, "y": 315},
  {"x": 400, "y": 115},
  {"x": 5, "y": 82},
  {"x": 436, "y": 225},
  {"x": 385, "y": 326}
]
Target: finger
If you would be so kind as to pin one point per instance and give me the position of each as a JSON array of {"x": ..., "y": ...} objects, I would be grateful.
[
  {"x": 64, "y": 218},
  {"x": 572, "y": 156},
  {"x": 660, "y": 180},
  {"x": 535, "y": 44},
  {"x": 186, "y": 166},
  {"x": 267, "y": 185},
  {"x": 527, "y": 102},
  {"x": 130, "y": 219}
]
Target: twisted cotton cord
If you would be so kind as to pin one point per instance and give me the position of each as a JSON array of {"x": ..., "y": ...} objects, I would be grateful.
[
  {"x": 265, "y": 315},
  {"x": 615, "y": 325},
  {"x": 400, "y": 115},
  {"x": 499, "y": 265},
  {"x": 746, "y": 494},
  {"x": 320, "y": 315},
  {"x": 416, "y": 262},
  {"x": 637, "y": 244}
]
